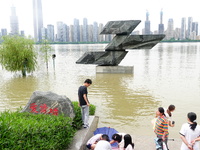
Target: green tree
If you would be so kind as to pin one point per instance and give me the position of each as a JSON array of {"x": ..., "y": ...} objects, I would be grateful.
[
  {"x": 46, "y": 51},
  {"x": 17, "y": 54}
]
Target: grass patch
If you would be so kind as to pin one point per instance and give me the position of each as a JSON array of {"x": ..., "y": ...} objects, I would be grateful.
[{"x": 27, "y": 131}]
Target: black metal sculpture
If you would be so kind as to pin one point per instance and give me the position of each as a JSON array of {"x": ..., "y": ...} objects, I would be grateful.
[{"x": 115, "y": 51}]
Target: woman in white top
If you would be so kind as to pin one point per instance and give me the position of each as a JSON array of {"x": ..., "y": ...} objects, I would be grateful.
[
  {"x": 128, "y": 144},
  {"x": 189, "y": 132}
]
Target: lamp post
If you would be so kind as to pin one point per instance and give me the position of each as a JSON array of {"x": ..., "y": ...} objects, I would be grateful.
[{"x": 53, "y": 57}]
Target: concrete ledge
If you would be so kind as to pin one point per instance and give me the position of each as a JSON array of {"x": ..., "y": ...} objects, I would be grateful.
[
  {"x": 83, "y": 135},
  {"x": 115, "y": 69}
]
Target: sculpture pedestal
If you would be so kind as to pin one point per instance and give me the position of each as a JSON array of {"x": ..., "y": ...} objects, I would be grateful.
[{"x": 115, "y": 69}]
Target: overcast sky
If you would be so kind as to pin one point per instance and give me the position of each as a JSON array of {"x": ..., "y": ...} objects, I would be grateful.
[{"x": 100, "y": 11}]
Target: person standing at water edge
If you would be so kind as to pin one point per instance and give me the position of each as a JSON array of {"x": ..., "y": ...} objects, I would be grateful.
[
  {"x": 84, "y": 102},
  {"x": 161, "y": 128},
  {"x": 190, "y": 132}
]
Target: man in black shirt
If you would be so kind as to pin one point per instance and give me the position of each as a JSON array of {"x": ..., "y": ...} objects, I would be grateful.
[{"x": 84, "y": 102}]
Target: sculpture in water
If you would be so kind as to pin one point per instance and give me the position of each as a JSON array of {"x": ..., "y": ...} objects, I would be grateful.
[{"x": 115, "y": 51}]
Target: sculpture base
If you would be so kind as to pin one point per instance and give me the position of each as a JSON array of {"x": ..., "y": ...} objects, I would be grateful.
[{"x": 115, "y": 69}]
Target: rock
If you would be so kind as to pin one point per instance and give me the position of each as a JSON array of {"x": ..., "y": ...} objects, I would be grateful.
[{"x": 49, "y": 103}]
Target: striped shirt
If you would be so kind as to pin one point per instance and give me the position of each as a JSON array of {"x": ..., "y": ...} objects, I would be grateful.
[{"x": 161, "y": 126}]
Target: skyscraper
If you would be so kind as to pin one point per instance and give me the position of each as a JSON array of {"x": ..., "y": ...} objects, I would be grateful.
[
  {"x": 183, "y": 29},
  {"x": 161, "y": 25},
  {"x": 14, "y": 25},
  {"x": 189, "y": 29},
  {"x": 147, "y": 24},
  {"x": 76, "y": 30},
  {"x": 170, "y": 29},
  {"x": 85, "y": 30},
  {"x": 50, "y": 33},
  {"x": 195, "y": 27},
  {"x": 3, "y": 32},
  {"x": 60, "y": 31},
  {"x": 95, "y": 32},
  {"x": 101, "y": 36},
  {"x": 37, "y": 20}
]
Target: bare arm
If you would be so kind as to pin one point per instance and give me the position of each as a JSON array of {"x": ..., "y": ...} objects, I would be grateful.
[
  {"x": 86, "y": 100},
  {"x": 195, "y": 140},
  {"x": 186, "y": 142},
  {"x": 170, "y": 124},
  {"x": 112, "y": 141}
]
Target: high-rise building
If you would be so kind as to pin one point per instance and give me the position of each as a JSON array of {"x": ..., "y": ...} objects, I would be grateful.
[
  {"x": 3, "y": 32},
  {"x": 60, "y": 31},
  {"x": 71, "y": 33},
  {"x": 195, "y": 27},
  {"x": 22, "y": 33},
  {"x": 183, "y": 29},
  {"x": 85, "y": 30},
  {"x": 50, "y": 33},
  {"x": 65, "y": 33},
  {"x": 189, "y": 27},
  {"x": 95, "y": 32},
  {"x": 170, "y": 29},
  {"x": 101, "y": 36},
  {"x": 37, "y": 20},
  {"x": 161, "y": 25},
  {"x": 194, "y": 31},
  {"x": 147, "y": 24},
  {"x": 177, "y": 33},
  {"x": 44, "y": 33},
  {"x": 90, "y": 33},
  {"x": 76, "y": 30},
  {"x": 81, "y": 33},
  {"x": 14, "y": 25}
]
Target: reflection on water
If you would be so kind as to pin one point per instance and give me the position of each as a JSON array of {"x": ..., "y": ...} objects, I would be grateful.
[{"x": 167, "y": 74}]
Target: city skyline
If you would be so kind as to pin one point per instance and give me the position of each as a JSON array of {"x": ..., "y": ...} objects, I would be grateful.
[{"x": 55, "y": 11}]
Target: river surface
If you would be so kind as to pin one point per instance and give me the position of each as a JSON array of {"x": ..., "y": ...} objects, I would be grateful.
[{"x": 167, "y": 74}]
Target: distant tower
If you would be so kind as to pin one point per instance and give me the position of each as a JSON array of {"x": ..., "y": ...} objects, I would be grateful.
[
  {"x": 95, "y": 32},
  {"x": 3, "y": 32},
  {"x": 147, "y": 24},
  {"x": 50, "y": 33},
  {"x": 85, "y": 30},
  {"x": 37, "y": 20},
  {"x": 76, "y": 30},
  {"x": 170, "y": 29},
  {"x": 195, "y": 27},
  {"x": 14, "y": 25},
  {"x": 101, "y": 36},
  {"x": 60, "y": 33},
  {"x": 161, "y": 25},
  {"x": 183, "y": 29},
  {"x": 189, "y": 29}
]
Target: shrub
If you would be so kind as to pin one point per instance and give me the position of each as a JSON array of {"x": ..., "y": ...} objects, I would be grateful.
[{"x": 27, "y": 131}]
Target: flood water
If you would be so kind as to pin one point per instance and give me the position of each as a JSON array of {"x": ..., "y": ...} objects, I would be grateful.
[{"x": 167, "y": 74}]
